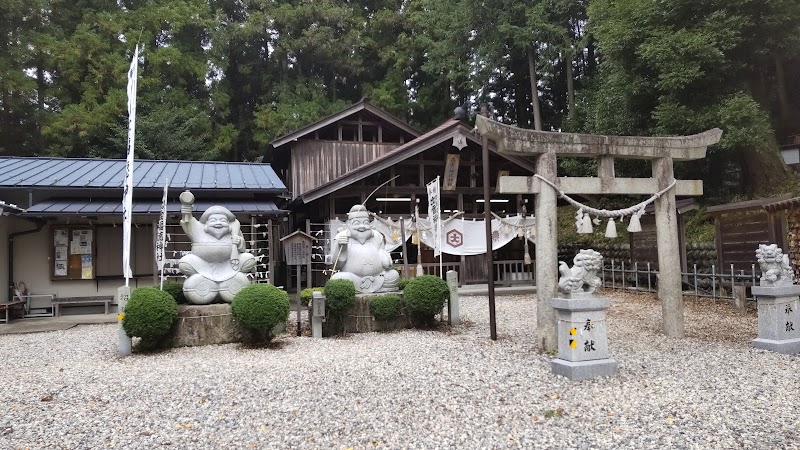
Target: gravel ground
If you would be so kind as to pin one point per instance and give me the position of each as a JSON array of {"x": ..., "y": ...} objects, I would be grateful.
[{"x": 411, "y": 389}]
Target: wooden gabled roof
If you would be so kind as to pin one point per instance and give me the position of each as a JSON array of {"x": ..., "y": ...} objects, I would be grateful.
[
  {"x": 362, "y": 105},
  {"x": 442, "y": 133}
]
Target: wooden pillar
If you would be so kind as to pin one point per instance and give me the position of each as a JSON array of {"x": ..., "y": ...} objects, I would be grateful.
[
  {"x": 270, "y": 253},
  {"x": 670, "y": 291},
  {"x": 546, "y": 254},
  {"x": 309, "y": 280}
]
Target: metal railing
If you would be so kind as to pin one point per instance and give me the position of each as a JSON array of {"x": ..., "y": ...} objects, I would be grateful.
[{"x": 710, "y": 283}]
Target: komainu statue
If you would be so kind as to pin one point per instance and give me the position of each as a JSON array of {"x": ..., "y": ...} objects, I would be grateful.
[
  {"x": 361, "y": 256},
  {"x": 582, "y": 277},
  {"x": 218, "y": 263},
  {"x": 775, "y": 267}
]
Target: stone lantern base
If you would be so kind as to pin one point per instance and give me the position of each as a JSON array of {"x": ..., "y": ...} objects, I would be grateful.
[
  {"x": 778, "y": 318},
  {"x": 582, "y": 341}
]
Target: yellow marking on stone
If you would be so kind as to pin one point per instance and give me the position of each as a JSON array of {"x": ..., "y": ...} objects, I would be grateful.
[
  {"x": 120, "y": 316},
  {"x": 573, "y": 343},
  {"x": 573, "y": 331}
]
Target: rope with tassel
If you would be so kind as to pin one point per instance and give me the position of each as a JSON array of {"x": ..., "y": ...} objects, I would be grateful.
[{"x": 584, "y": 222}]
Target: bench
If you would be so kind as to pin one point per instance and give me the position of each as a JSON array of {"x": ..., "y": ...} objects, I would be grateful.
[
  {"x": 9, "y": 306},
  {"x": 82, "y": 301}
]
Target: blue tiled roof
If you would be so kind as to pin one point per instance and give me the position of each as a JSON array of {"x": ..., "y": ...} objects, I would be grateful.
[
  {"x": 80, "y": 173},
  {"x": 107, "y": 206}
]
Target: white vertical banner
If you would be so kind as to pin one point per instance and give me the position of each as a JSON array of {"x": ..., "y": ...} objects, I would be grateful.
[
  {"x": 434, "y": 215},
  {"x": 127, "y": 196},
  {"x": 161, "y": 235}
]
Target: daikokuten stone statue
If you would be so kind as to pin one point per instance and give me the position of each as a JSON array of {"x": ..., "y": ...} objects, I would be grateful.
[
  {"x": 361, "y": 256},
  {"x": 582, "y": 277},
  {"x": 218, "y": 263}
]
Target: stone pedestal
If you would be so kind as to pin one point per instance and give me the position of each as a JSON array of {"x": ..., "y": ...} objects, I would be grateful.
[
  {"x": 582, "y": 341},
  {"x": 205, "y": 325},
  {"x": 453, "y": 313},
  {"x": 359, "y": 319},
  {"x": 208, "y": 325},
  {"x": 778, "y": 318}
]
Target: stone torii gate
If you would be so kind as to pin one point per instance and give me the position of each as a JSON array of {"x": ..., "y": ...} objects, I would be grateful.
[{"x": 546, "y": 146}]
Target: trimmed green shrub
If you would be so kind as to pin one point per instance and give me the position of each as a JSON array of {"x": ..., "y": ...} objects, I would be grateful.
[
  {"x": 385, "y": 307},
  {"x": 340, "y": 296},
  {"x": 149, "y": 315},
  {"x": 401, "y": 283},
  {"x": 308, "y": 293},
  {"x": 175, "y": 289},
  {"x": 425, "y": 297},
  {"x": 258, "y": 308}
]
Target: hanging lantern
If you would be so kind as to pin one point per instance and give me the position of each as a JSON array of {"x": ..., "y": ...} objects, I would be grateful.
[
  {"x": 586, "y": 225},
  {"x": 611, "y": 229},
  {"x": 635, "y": 226}
]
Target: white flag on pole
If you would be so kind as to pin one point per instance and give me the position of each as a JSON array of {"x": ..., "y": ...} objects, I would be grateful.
[
  {"x": 434, "y": 215},
  {"x": 127, "y": 196},
  {"x": 161, "y": 237}
]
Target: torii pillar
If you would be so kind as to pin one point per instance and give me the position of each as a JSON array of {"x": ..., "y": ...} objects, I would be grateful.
[{"x": 546, "y": 147}]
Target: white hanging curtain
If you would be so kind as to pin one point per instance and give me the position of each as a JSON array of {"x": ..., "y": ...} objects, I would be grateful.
[
  {"x": 468, "y": 237},
  {"x": 459, "y": 236}
]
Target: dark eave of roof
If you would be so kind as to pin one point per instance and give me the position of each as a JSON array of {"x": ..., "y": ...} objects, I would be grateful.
[
  {"x": 749, "y": 204},
  {"x": 782, "y": 204},
  {"x": 352, "y": 109},
  {"x": 89, "y": 173},
  {"x": 113, "y": 207},
  {"x": 436, "y": 136}
]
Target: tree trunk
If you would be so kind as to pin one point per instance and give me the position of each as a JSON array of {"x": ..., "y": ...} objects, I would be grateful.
[
  {"x": 41, "y": 83},
  {"x": 570, "y": 83},
  {"x": 590, "y": 58},
  {"x": 783, "y": 99},
  {"x": 537, "y": 114}
]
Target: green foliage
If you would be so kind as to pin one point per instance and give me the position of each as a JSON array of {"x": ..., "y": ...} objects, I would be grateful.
[
  {"x": 149, "y": 315},
  {"x": 402, "y": 283},
  {"x": 425, "y": 296},
  {"x": 385, "y": 307},
  {"x": 678, "y": 68},
  {"x": 308, "y": 293},
  {"x": 699, "y": 227},
  {"x": 340, "y": 296},
  {"x": 258, "y": 308},
  {"x": 175, "y": 289}
]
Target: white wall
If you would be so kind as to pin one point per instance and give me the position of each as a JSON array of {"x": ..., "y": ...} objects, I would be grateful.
[{"x": 32, "y": 264}]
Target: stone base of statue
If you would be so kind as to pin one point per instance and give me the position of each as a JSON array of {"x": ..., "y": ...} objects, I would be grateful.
[
  {"x": 582, "y": 341},
  {"x": 360, "y": 320},
  {"x": 208, "y": 325},
  {"x": 778, "y": 318}
]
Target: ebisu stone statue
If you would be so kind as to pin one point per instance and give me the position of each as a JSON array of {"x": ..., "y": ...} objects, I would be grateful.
[
  {"x": 218, "y": 263},
  {"x": 582, "y": 277},
  {"x": 775, "y": 267},
  {"x": 361, "y": 256}
]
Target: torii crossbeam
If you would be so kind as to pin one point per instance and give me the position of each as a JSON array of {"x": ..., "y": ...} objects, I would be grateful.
[{"x": 547, "y": 146}]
